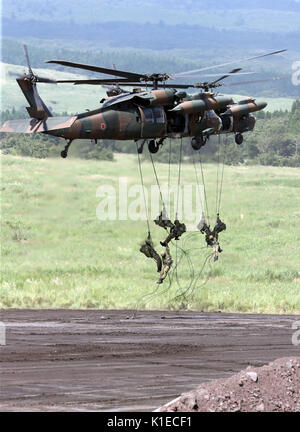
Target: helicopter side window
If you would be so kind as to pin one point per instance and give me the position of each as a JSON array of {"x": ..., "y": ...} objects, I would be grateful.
[
  {"x": 159, "y": 114},
  {"x": 154, "y": 115},
  {"x": 149, "y": 115}
]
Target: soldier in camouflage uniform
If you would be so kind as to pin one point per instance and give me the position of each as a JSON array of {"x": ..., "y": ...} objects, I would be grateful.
[
  {"x": 148, "y": 250},
  {"x": 176, "y": 231},
  {"x": 163, "y": 221},
  {"x": 166, "y": 265},
  {"x": 211, "y": 237},
  {"x": 220, "y": 226}
]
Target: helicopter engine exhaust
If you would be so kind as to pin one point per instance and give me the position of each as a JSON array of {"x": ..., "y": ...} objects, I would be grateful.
[
  {"x": 245, "y": 107},
  {"x": 203, "y": 102},
  {"x": 156, "y": 98}
]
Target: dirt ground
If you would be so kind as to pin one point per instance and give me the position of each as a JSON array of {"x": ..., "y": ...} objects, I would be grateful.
[
  {"x": 271, "y": 388},
  {"x": 67, "y": 360}
]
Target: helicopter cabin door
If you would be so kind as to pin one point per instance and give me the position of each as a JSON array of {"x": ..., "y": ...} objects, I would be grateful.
[{"x": 154, "y": 122}]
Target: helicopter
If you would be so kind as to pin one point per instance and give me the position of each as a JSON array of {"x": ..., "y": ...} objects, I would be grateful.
[{"x": 151, "y": 111}]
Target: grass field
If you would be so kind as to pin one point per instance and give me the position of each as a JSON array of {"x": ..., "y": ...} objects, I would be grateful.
[{"x": 56, "y": 253}]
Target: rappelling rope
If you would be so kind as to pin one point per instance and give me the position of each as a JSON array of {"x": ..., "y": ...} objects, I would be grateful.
[
  {"x": 218, "y": 164},
  {"x": 178, "y": 185},
  {"x": 179, "y": 178},
  {"x": 223, "y": 165},
  {"x": 144, "y": 195},
  {"x": 197, "y": 180},
  {"x": 205, "y": 195},
  {"x": 157, "y": 181},
  {"x": 191, "y": 287},
  {"x": 169, "y": 168}
]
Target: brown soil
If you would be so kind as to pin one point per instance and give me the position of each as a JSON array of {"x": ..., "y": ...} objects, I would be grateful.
[
  {"x": 274, "y": 387},
  {"x": 83, "y": 360}
]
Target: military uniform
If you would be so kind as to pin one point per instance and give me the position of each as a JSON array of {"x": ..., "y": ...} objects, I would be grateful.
[
  {"x": 220, "y": 226},
  {"x": 166, "y": 265},
  {"x": 176, "y": 231},
  {"x": 211, "y": 237},
  {"x": 201, "y": 223},
  {"x": 148, "y": 250},
  {"x": 163, "y": 221}
]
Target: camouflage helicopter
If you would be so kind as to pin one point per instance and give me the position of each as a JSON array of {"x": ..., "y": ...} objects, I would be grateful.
[{"x": 161, "y": 110}]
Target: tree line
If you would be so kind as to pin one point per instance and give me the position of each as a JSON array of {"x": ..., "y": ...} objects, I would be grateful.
[{"x": 274, "y": 141}]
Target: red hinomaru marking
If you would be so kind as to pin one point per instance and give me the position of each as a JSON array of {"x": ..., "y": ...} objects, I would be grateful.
[{"x": 103, "y": 126}]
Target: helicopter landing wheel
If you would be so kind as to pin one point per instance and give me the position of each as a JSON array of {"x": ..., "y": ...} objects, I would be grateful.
[
  {"x": 153, "y": 146},
  {"x": 64, "y": 153},
  {"x": 198, "y": 141},
  {"x": 239, "y": 138}
]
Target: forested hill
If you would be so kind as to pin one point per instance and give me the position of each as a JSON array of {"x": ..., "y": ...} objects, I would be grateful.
[
  {"x": 265, "y": 15},
  {"x": 274, "y": 141},
  {"x": 155, "y": 61},
  {"x": 156, "y": 36}
]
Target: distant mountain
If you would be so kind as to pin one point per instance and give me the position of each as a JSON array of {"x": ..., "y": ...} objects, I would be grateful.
[
  {"x": 265, "y": 15},
  {"x": 150, "y": 36},
  {"x": 158, "y": 36}
]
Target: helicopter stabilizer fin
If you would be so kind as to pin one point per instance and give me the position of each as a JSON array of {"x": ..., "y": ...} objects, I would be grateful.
[{"x": 37, "y": 108}]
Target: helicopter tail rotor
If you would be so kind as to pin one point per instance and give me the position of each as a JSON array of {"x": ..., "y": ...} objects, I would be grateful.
[
  {"x": 31, "y": 75},
  {"x": 27, "y": 83}
]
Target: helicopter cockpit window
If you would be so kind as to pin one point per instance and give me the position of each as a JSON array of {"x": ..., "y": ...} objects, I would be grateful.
[{"x": 154, "y": 115}]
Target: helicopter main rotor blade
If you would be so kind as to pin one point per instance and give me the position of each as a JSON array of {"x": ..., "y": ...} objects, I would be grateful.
[
  {"x": 97, "y": 81},
  {"x": 139, "y": 84},
  {"x": 256, "y": 81},
  {"x": 128, "y": 83},
  {"x": 214, "y": 75},
  {"x": 233, "y": 72},
  {"x": 45, "y": 80},
  {"x": 198, "y": 85},
  {"x": 130, "y": 75},
  {"x": 182, "y": 74}
]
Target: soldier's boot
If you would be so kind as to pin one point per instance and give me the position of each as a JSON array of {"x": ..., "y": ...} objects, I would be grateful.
[
  {"x": 164, "y": 274},
  {"x": 168, "y": 239}
]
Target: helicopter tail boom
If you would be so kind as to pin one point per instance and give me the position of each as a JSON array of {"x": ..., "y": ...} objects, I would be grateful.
[{"x": 51, "y": 125}]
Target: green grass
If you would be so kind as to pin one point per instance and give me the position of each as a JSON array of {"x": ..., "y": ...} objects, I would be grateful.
[{"x": 56, "y": 253}]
